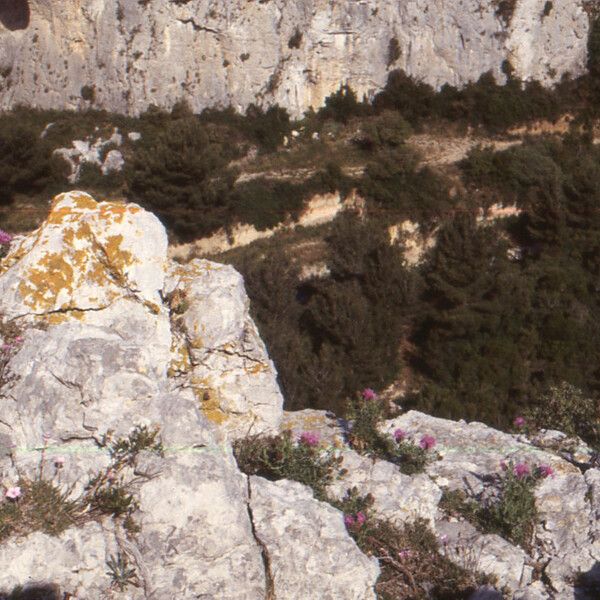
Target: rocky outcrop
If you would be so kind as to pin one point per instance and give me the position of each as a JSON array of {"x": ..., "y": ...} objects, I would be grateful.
[
  {"x": 116, "y": 339},
  {"x": 124, "y": 55}
]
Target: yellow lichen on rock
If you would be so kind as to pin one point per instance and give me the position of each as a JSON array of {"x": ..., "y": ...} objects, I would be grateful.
[
  {"x": 85, "y": 256},
  {"x": 209, "y": 402}
]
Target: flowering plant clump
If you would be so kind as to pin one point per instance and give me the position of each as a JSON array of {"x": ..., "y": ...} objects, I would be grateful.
[
  {"x": 5, "y": 240},
  {"x": 369, "y": 394},
  {"x": 279, "y": 457},
  {"x": 309, "y": 439},
  {"x": 544, "y": 471},
  {"x": 13, "y": 493},
  {"x": 367, "y": 412},
  {"x": 519, "y": 422},
  {"x": 521, "y": 471},
  {"x": 510, "y": 513},
  {"x": 427, "y": 442},
  {"x": 399, "y": 435}
]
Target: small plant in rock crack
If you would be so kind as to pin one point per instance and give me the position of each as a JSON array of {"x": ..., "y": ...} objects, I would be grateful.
[
  {"x": 125, "y": 450},
  {"x": 37, "y": 505},
  {"x": 177, "y": 301},
  {"x": 108, "y": 492},
  {"x": 110, "y": 497},
  {"x": 121, "y": 572},
  {"x": 357, "y": 511},
  {"x": 281, "y": 457},
  {"x": 511, "y": 513},
  {"x": 12, "y": 339},
  {"x": 367, "y": 413}
]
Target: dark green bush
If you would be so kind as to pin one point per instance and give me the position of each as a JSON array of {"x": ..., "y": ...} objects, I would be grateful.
[
  {"x": 266, "y": 128},
  {"x": 332, "y": 336},
  {"x": 181, "y": 176},
  {"x": 395, "y": 183},
  {"x": 26, "y": 164},
  {"x": 343, "y": 105}
]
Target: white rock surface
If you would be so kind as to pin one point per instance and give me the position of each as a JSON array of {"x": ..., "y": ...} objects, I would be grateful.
[
  {"x": 90, "y": 287},
  {"x": 486, "y": 553},
  {"x": 133, "y": 54},
  {"x": 75, "y": 561},
  {"x": 398, "y": 498},
  {"x": 113, "y": 163},
  {"x": 218, "y": 353},
  {"x": 303, "y": 540}
]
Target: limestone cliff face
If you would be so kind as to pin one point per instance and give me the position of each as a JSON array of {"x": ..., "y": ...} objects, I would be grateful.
[{"x": 128, "y": 54}]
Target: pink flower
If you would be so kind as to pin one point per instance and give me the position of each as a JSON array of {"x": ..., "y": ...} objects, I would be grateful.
[
  {"x": 309, "y": 439},
  {"x": 5, "y": 238},
  {"x": 519, "y": 422},
  {"x": 19, "y": 340},
  {"x": 369, "y": 394},
  {"x": 348, "y": 520},
  {"x": 6, "y": 347},
  {"x": 399, "y": 435},
  {"x": 521, "y": 471},
  {"x": 404, "y": 554},
  {"x": 427, "y": 442},
  {"x": 545, "y": 471},
  {"x": 59, "y": 462},
  {"x": 360, "y": 518},
  {"x": 13, "y": 493}
]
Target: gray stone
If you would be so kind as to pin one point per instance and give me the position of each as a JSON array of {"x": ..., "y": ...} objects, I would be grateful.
[
  {"x": 113, "y": 163},
  {"x": 237, "y": 52},
  {"x": 486, "y": 553},
  {"x": 306, "y": 545},
  {"x": 399, "y": 498},
  {"x": 75, "y": 561}
]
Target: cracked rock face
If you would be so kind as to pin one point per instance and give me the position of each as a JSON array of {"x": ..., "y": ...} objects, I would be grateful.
[
  {"x": 128, "y": 55},
  {"x": 303, "y": 540},
  {"x": 105, "y": 316}
]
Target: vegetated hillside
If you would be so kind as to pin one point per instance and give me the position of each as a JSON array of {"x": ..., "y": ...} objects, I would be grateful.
[{"x": 494, "y": 316}]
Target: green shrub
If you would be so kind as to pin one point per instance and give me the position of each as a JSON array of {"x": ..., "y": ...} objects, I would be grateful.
[
  {"x": 329, "y": 337},
  {"x": 394, "y": 182},
  {"x": 511, "y": 514},
  {"x": 566, "y": 408},
  {"x": 266, "y": 128},
  {"x": 181, "y": 176},
  {"x": 342, "y": 105},
  {"x": 26, "y": 164},
  {"x": 388, "y": 130},
  {"x": 281, "y": 457},
  {"x": 593, "y": 48}
]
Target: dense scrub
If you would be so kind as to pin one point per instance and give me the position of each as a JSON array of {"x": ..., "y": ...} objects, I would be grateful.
[
  {"x": 492, "y": 319},
  {"x": 498, "y": 314},
  {"x": 332, "y": 336}
]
